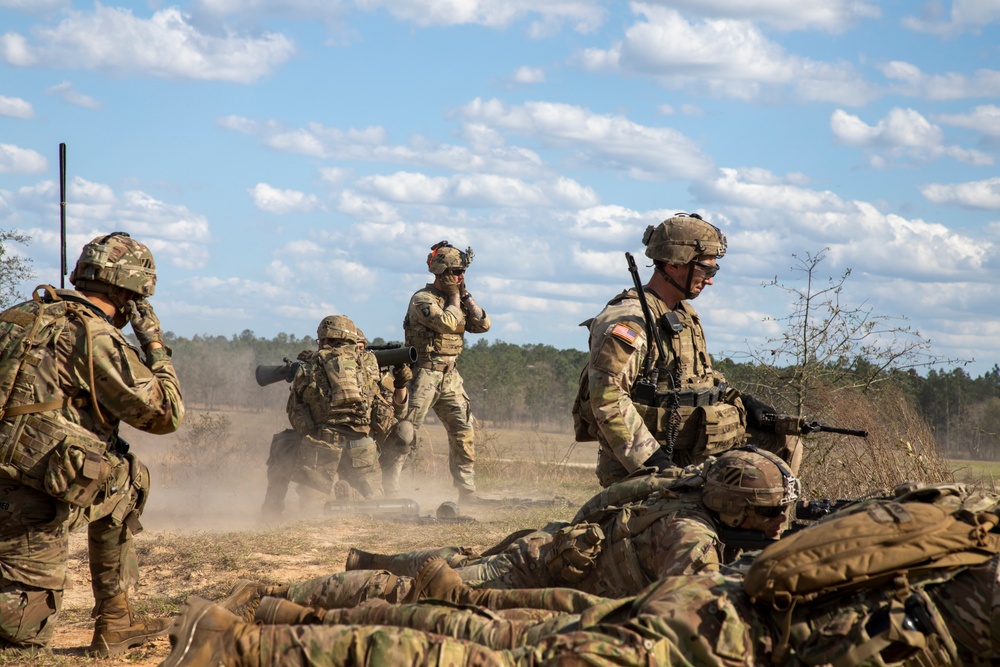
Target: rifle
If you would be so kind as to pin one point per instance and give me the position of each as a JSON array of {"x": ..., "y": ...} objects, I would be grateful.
[
  {"x": 792, "y": 425},
  {"x": 814, "y": 510},
  {"x": 266, "y": 375}
]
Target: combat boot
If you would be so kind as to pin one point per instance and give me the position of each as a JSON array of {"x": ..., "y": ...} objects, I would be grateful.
[
  {"x": 117, "y": 628},
  {"x": 206, "y": 635},
  {"x": 275, "y": 611},
  {"x": 435, "y": 579},
  {"x": 246, "y": 595},
  {"x": 363, "y": 560}
]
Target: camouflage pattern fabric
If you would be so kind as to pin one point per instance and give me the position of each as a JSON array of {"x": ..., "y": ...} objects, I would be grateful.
[
  {"x": 446, "y": 394},
  {"x": 34, "y": 526},
  {"x": 436, "y": 330}
]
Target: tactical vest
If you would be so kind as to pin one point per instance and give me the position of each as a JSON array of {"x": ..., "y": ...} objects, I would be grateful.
[
  {"x": 38, "y": 446},
  {"x": 428, "y": 341},
  {"x": 334, "y": 388},
  {"x": 687, "y": 385}
]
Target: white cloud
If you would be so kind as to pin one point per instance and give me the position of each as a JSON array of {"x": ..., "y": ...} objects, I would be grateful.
[
  {"x": 36, "y": 6},
  {"x": 778, "y": 218},
  {"x": 371, "y": 144},
  {"x": 165, "y": 45},
  {"x": 281, "y": 202},
  {"x": 15, "y": 107},
  {"x": 70, "y": 95},
  {"x": 983, "y": 194},
  {"x": 723, "y": 57},
  {"x": 477, "y": 190},
  {"x": 584, "y": 15},
  {"x": 903, "y": 135},
  {"x": 605, "y": 140},
  {"x": 965, "y": 16},
  {"x": 525, "y": 74},
  {"x": 368, "y": 209},
  {"x": 830, "y": 15},
  {"x": 910, "y": 80},
  {"x": 17, "y": 160},
  {"x": 984, "y": 118}
]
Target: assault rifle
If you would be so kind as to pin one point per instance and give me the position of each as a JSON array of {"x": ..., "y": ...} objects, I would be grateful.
[{"x": 792, "y": 425}]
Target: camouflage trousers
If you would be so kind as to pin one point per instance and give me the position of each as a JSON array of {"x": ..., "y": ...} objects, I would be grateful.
[
  {"x": 445, "y": 393},
  {"x": 34, "y": 549},
  {"x": 316, "y": 466}
]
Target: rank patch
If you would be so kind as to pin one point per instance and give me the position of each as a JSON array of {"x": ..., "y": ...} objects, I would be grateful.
[{"x": 625, "y": 332}]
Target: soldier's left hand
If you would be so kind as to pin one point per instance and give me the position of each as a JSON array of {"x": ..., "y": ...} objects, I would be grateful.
[
  {"x": 145, "y": 323},
  {"x": 401, "y": 376}
]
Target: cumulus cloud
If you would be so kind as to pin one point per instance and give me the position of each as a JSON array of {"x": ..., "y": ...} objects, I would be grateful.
[
  {"x": 908, "y": 79},
  {"x": 280, "y": 202},
  {"x": 545, "y": 17},
  {"x": 70, "y": 95},
  {"x": 166, "y": 45},
  {"x": 17, "y": 160},
  {"x": 984, "y": 118},
  {"x": 372, "y": 144},
  {"x": 983, "y": 194},
  {"x": 34, "y": 6},
  {"x": 829, "y": 15},
  {"x": 965, "y": 16},
  {"x": 477, "y": 190},
  {"x": 608, "y": 141},
  {"x": 775, "y": 214},
  {"x": 15, "y": 107},
  {"x": 725, "y": 57},
  {"x": 525, "y": 74},
  {"x": 903, "y": 135}
]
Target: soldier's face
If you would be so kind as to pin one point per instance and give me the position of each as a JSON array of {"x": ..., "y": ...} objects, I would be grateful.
[{"x": 768, "y": 520}]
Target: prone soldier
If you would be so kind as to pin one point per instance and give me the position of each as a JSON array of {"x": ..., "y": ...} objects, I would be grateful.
[{"x": 68, "y": 378}]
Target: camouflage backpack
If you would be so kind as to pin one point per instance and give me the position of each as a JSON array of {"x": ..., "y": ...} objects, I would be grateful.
[{"x": 880, "y": 544}]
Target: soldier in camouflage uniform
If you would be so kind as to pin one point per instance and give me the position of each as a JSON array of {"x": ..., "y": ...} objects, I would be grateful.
[
  {"x": 436, "y": 319},
  {"x": 941, "y": 615},
  {"x": 623, "y": 539},
  {"x": 691, "y": 412},
  {"x": 693, "y": 621},
  {"x": 68, "y": 378},
  {"x": 331, "y": 408}
]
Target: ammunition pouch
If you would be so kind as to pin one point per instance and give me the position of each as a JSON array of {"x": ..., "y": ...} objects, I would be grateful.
[
  {"x": 704, "y": 431},
  {"x": 61, "y": 459}
]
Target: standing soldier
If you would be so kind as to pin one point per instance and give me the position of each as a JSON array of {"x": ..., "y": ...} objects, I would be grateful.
[
  {"x": 68, "y": 378},
  {"x": 657, "y": 406},
  {"x": 438, "y": 316},
  {"x": 330, "y": 410}
]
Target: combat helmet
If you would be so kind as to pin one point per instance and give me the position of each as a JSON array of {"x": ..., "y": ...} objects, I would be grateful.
[
  {"x": 113, "y": 261},
  {"x": 683, "y": 238},
  {"x": 745, "y": 478},
  {"x": 337, "y": 327},
  {"x": 444, "y": 256}
]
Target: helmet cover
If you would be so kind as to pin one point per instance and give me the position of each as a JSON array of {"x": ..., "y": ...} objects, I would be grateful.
[
  {"x": 745, "y": 478},
  {"x": 683, "y": 238},
  {"x": 444, "y": 256},
  {"x": 118, "y": 260},
  {"x": 337, "y": 327}
]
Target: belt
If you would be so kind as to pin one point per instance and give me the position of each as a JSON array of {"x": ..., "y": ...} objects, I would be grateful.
[
  {"x": 690, "y": 398},
  {"x": 440, "y": 366}
]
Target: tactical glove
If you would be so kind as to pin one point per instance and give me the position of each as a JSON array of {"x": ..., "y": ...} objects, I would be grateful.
[
  {"x": 659, "y": 460},
  {"x": 450, "y": 288},
  {"x": 756, "y": 411},
  {"x": 401, "y": 376},
  {"x": 145, "y": 323}
]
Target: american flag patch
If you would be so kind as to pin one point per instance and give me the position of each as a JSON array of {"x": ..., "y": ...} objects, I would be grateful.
[{"x": 625, "y": 332}]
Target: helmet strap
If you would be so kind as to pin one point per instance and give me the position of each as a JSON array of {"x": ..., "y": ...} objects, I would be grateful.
[{"x": 686, "y": 291}]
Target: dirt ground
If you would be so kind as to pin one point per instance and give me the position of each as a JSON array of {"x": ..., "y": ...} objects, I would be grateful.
[{"x": 203, "y": 532}]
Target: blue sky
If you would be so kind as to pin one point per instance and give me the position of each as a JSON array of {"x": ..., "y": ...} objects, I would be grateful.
[{"x": 289, "y": 159}]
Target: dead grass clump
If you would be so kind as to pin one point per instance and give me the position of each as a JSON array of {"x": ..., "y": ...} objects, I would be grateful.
[{"x": 900, "y": 446}]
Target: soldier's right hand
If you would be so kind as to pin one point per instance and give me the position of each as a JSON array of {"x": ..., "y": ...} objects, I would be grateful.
[
  {"x": 401, "y": 376},
  {"x": 145, "y": 323}
]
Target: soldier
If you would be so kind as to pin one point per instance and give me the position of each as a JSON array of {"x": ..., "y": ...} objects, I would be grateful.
[
  {"x": 68, "y": 378},
  {"x": 330, "y": 410},
  {"x": 436, "y": 319},
  {"x": 691, "y": 412},
  {"x": 389, "y": 406},
  {"x": 630, "y": 535},
  {"x": 945, "y": 611}
]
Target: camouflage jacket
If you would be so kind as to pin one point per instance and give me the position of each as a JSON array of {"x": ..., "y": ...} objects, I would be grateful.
[
  {"x": 333, "y": 391},
  {"x": 435, "y": 329}
]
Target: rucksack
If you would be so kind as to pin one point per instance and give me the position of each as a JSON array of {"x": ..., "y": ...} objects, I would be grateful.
[
  {"x": 878, "y": 543},
  {"x": 584, "y": 422}
]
